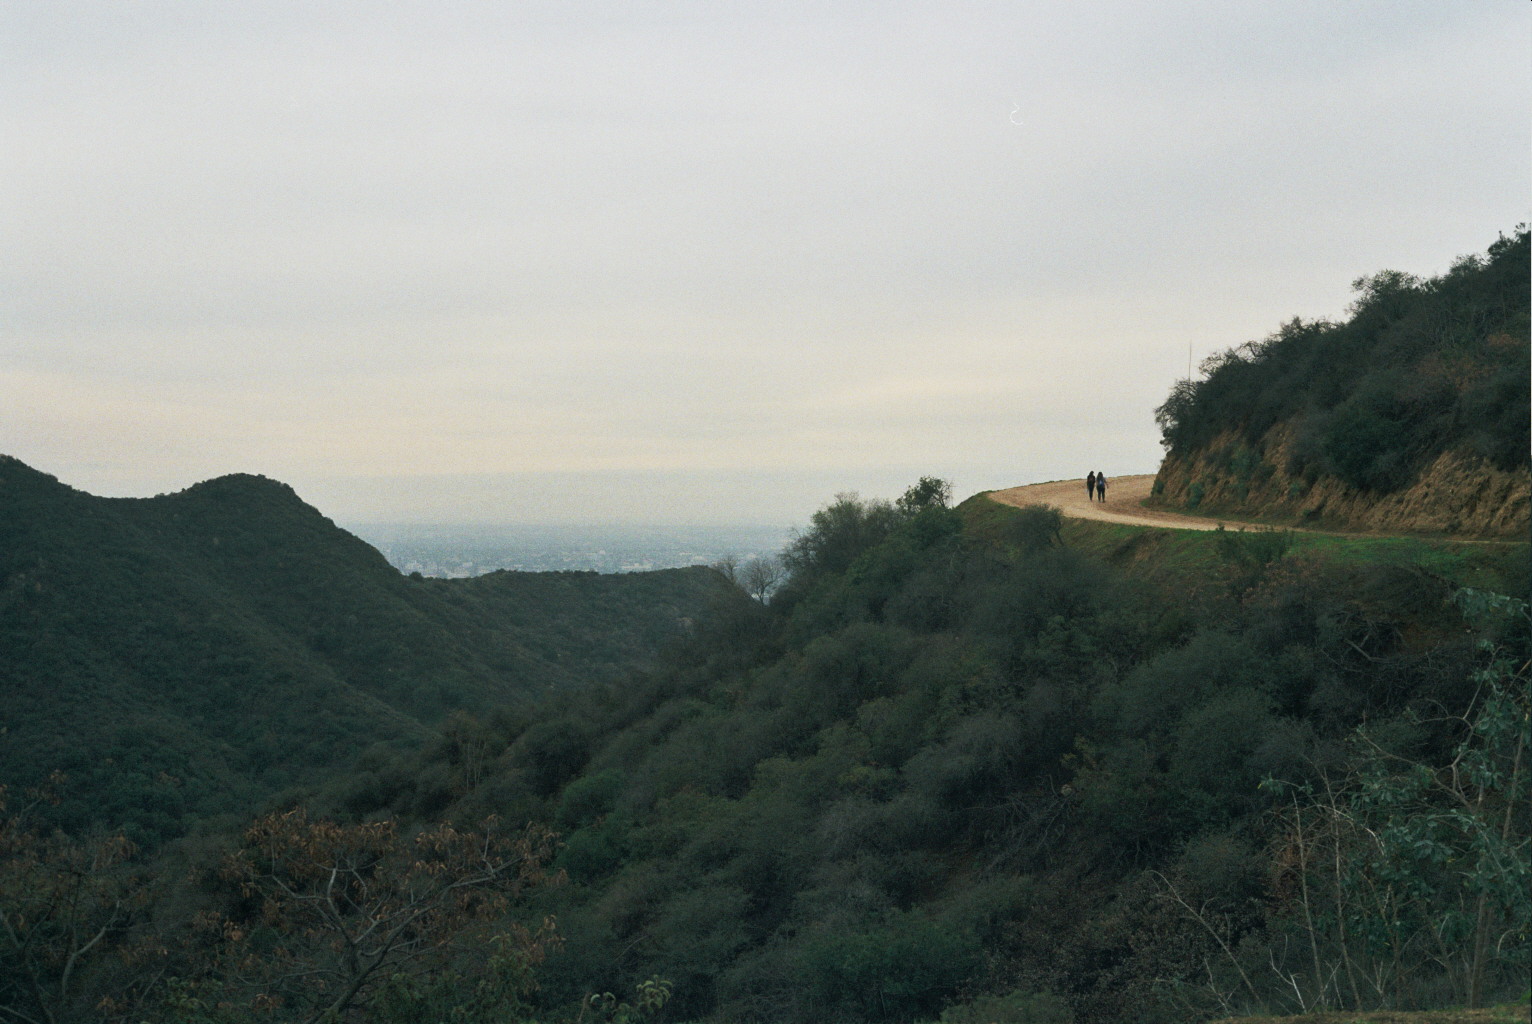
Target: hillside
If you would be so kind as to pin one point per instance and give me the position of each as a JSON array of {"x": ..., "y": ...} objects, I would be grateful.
[
  {"x": 975, "y": 764},
  {"x": 968, "y": 760},
  {"x": 1410, "y": 416},
  {"x": 182, "y": 655}
]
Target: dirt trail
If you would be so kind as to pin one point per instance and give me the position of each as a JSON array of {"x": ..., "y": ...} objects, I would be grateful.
[
  {"x": 1123, "y": 494},
  {"x": 1123, "y": 497}
]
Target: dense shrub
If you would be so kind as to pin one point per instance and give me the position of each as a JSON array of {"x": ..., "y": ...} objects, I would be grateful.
[{"x": 901, "y": 968}]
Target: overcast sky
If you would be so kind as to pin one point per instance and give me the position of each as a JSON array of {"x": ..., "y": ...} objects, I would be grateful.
[{"x": 700, "y": 262}]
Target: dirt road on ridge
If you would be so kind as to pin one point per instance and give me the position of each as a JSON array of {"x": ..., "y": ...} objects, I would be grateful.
[{"x": 1123, "y": 494}]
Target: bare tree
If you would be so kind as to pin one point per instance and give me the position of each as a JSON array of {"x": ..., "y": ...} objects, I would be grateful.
[
  {"x": 728, "y": 568},
  {"x": 353, "y": 907},
  {"x": 760, "y": 576},
  {"x": 64, "y": 907}
]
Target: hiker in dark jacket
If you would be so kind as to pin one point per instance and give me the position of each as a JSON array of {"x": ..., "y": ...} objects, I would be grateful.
[{"x": 1090, "y": 486}]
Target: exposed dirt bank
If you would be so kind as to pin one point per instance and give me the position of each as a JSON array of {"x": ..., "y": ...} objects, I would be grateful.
[
  {"x": 1457, "y": 494},
  {"x": 1124, "y": 504}
]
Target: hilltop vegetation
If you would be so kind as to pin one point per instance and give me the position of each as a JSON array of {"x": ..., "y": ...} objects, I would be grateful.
[
  {"x": 1412, "y": 414},
  {"x": 184, "y": 656}
]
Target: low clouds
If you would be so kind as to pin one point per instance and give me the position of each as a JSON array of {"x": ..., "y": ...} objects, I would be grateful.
[{"x": 393, "y": 253}]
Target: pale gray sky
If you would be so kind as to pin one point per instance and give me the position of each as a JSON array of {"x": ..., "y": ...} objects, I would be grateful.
[{"x": 700, "y": 262}]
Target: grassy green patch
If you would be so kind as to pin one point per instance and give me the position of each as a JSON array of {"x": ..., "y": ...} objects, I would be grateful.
[
  {"x": 1169, "y": 555},
  {"x": 1502, "y": 567}
]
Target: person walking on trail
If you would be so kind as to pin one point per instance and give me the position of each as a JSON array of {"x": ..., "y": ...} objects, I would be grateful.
[
  {"x": 1101, "y": 485},
  {"x": 1090, "y": 486}
]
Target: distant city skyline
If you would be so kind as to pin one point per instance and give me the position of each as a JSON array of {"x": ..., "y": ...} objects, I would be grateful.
[
  {"x": 595, "y": 262},
  {"x": 454, "y": 551}
]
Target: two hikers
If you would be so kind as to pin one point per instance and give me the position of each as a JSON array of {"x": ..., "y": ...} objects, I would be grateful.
[{"x": 1095, "y": 486}]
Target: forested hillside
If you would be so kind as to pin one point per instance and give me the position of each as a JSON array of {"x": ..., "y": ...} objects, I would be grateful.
[
  {"x": 1411, "y": 415},
  {"x": 182, "y": 656},
  {"x": 975, "y": 764},
  {"x": 956, "y": 757}
]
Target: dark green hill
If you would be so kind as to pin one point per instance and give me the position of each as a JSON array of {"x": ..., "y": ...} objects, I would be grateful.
[{"x": 181, "y": 655}]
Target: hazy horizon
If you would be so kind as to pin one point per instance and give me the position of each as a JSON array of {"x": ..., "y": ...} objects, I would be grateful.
[
  {"x": 382, "y": 526},
  {"x": 463, "y": 550},
  {"x": 597, "y": 262}
]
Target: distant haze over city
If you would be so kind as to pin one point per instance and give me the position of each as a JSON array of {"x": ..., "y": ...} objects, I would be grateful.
[{"x": 462, "y": 551}]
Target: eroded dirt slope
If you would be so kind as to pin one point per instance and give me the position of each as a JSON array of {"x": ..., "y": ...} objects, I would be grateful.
[{"x": 1455, "y": 495}]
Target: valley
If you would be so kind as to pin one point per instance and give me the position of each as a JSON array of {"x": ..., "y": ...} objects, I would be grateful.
[{"x": 1016, "y": 758}]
